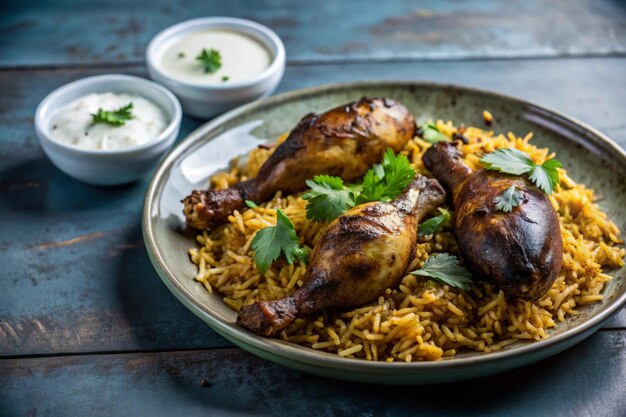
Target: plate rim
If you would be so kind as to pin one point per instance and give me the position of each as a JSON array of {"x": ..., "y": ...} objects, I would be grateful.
[{"x": 304, "y": 355}]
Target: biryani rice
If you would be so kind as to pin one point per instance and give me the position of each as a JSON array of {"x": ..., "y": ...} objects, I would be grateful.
[{"x": 420, "y": 320}]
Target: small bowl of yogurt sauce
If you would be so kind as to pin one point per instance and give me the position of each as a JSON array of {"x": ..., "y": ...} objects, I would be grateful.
[
  {"x": 108, "y": 129},
  {"x": 214, "y": 64}
]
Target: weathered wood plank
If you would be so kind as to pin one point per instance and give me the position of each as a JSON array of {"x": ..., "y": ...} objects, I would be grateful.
[
  {"x": 588, "y": 89},
  {"x": 585, "y": 381},
  {"x": 76, "y": 288},
  {"x": 618, "y": 321},
  {"x": 75, "y": 276},
  {"x": 94, "y": 32}
]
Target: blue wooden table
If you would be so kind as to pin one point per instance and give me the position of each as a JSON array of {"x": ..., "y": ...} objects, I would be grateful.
[{"x": 87, "y": 327}]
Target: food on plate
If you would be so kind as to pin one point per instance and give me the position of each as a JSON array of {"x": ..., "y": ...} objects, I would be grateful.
[
  {"x": 519, "y": 246},
  {"x": 215, "y": 56},
  {"x": 437, "y": 308},
  {"x": 345, "y": 141},
  {"x": 362, "y": 252},
  {"x": 104, "y": 121}
]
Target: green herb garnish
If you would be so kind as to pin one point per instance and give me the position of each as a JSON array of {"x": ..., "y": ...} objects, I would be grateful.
[
  {"x": 329, "y": 197},
  {"x": 434, "y": 224},
  {"x": 269, "y": 243},
  {"x": 546, "y": 176},
  {"x": 446, "y": 269},
  {"x": 225, "y": 78},
  {"x": 251, "y": 204},
  {"x": 210, "y": 59},
  {"x": 515, "y": 162},
  {"x": 115, "y": 117},
  {"x": 383, "y": 182},
  {"x": 511, "y": 197},
  {"x": 181, "y": 54},
  {"x": 432, "y": 134}
]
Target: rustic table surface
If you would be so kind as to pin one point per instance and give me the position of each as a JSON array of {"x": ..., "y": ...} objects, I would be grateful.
[{"x": 86, "y": 325}]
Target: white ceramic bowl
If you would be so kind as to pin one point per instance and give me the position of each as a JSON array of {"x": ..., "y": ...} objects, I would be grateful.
[
  {"x": 108, "y": 167},
  {"x": 206, "y": 101}
]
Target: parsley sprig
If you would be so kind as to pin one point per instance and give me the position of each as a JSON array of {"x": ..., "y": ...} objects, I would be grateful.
[
  {"x": 434, "y": 224},
  {"x": 329, "y": 197},
  {"x": 210, "y": 59},
  {"x": 114, "y": 117},
  {"x": 511, "y": 197},
  {"x": 515, "y": 162},
  {"x": 271, "y": 242},
  {"x": 383, "y": 182},
  {"x": 446, "y": 269}
]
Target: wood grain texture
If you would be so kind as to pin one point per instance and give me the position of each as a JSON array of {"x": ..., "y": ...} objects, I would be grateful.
[
  {"x": 76, "y": 278},
  {"x": 94, "y": 32},
  {"x": 585, "y": 381},
  {"x": 75, "y": 275}
]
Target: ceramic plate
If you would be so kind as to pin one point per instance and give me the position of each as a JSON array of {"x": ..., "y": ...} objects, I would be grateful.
[{"x": 590, "y": 158}]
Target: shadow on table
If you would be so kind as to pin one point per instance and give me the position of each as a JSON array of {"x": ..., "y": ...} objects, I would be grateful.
[
  {"x": 585, "y": 380},
  {"x": 37, "y": 187},
  {"x": 157, "y": 319},
  {"x": 586, "y": 377}
]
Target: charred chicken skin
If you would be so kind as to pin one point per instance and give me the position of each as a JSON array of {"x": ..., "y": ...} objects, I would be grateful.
[
  {"x": 363, "y": 252},
  {"x": 520, "y": 251},
  {"x": 345, "y": 141}
]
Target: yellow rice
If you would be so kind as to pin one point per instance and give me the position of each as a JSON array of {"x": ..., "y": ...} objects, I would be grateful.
[{"x": 419, "y": 320}]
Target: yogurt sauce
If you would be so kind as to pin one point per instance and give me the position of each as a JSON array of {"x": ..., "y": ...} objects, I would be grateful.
[
  {"x": 73, "y": 124},
  {"x": 242, "y": 57}
]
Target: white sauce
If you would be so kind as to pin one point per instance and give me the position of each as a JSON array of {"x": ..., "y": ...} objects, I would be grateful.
[
  {"x": 243, "y": 57},
  {"x": 73, "y": 123}
]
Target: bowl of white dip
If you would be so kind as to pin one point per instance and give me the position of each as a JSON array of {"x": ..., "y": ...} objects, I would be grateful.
[
  {"x": 214, "y": 64},
  {"x": 108, "y": 129}
]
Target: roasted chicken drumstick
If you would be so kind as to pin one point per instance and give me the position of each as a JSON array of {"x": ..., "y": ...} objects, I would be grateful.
[
  {"x": 345, "y": 141},
  {"x": 363, "y": 252},
  {"x": 520, "y": 251}
]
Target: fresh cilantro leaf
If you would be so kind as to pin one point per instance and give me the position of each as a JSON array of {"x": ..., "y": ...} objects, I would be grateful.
[
  {"x": 432, "y": 134},
  {"x": 516, "y": 162},
  {"x": 397, "y": 174},
  {"x": 355, "y": 188},
  {"x": 511, "y": 197},
  {"x": 251, "y": 204},
  {"x": 210, "y": 59},
  {"x": 446, "y": 269},
  {"x": 328, "y": 198},
  {"x": 269, "y": 243},
  {"x": 370, "y": 188},
  {"x": 114, "y": 117},
  {"x": 434, "y": 224},
  {"x": 546, "y": 176},
  {"x": 379, "y": 171},
  {"x": 508, "y": 160}
]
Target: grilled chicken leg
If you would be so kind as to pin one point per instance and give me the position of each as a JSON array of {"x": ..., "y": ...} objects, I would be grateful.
[
  {"x": 345, "y": 141},
  {"x": 363, "y": 252},
  {"x": 520, "y": 251}
]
